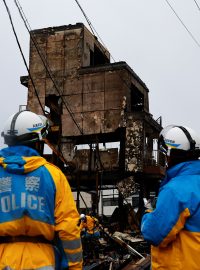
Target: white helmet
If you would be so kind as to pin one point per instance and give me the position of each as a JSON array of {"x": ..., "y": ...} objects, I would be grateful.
[
  {"x": 25, "y": 127},
  {"x": 82, "y": 216},
  {"x": 178, "y": 137}
]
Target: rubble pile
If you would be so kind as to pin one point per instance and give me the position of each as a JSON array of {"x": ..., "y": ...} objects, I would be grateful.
[{"x": 116, "y": 250}]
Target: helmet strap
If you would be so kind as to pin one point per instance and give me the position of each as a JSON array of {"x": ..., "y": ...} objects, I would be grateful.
[
  {"x": 12, "y": 125},
  {"x": 187, "y": 134}
]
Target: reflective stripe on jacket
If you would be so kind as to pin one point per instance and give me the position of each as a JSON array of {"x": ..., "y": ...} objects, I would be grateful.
[
  {"x": 36, "y": 199},
  {"x": 173, "y": 228}
]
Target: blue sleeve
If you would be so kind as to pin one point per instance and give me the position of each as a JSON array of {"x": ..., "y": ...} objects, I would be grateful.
[{"x": 162, "y": 225}]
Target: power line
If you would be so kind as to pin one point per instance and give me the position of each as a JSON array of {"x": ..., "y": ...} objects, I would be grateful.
[
  {"x": 94, "y": 31},
  {"x": 181, "y": 21},
  {"x": 86, "y": 17},
  {"x": 197, "y": 5},
  {"x": 102, "y": 43},
  {"x": 23, "y": 57},
  {"x": 27, "y": 25},
  {"x": 89, "y": 23},
  {"x": 27, "y": 68}
]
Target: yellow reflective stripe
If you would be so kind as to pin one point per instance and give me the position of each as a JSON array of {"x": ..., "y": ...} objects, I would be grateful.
[
  {"x": 76, "y": 257},
  {"x": 72, "y": 244},
  {"x": 45, "y": 268},
  {"x": 177, "y": 227}
]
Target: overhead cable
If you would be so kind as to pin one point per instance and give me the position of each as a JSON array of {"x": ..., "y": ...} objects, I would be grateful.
[
  {"x": 89, "y": 23},
  {"x": 86, "y": 17},
  {"x": 20, "y": 48},
  {"x": 34, "y": 87},
  {"x": 197, "y": 5},
  {"x": 42, "y": 57},
  {"x": 93, "y": 30},
  {"x": 181, "y": 21}
]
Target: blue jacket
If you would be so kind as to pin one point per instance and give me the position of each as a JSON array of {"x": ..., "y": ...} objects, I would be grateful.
[
  {"x": 173, "y": 228},
  {"x": 36, "y": 200}
]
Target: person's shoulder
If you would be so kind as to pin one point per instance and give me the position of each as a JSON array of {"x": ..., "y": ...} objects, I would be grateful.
[
  {"x": 56, "y": 172},
  {"x": 53, "y": 168},
  {"x": 51, "y": 165}
]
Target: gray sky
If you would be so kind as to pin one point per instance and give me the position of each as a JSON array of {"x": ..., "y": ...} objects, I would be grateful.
[{"x": 146, "y": 34}]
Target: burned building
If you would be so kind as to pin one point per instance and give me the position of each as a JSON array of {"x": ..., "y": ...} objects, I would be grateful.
[{"x": 92, "y": 104}]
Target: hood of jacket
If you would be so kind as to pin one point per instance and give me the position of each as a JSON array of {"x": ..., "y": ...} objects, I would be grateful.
[
  {"x": 20, "y": 159},
  {"x": 184, "y": 168}
]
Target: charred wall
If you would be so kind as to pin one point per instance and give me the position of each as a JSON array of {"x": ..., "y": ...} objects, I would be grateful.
[{"x": 90, "y": 101}]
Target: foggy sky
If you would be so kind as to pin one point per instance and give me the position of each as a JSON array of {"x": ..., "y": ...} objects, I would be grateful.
[{"x": 145, "y": 34}]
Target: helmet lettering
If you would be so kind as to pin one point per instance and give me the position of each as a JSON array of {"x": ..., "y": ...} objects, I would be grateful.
[
  {"x": 38, "y": 125},
  {"x": 169, "y": 141}
]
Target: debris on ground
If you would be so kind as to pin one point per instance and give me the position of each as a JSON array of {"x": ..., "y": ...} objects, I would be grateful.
[{"x": 116, "y": 251}]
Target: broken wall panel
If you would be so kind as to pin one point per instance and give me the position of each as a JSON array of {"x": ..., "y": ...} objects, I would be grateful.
[
  {"x": 115, "y": 88},
  {"x": 73, "y": 103},
  {"x": 81, "y": 159},
  {"x": 67, "y": 150},
  {"x": 110, "y": 158},
  {"x": 34, "y": 105},
  {"x": 72, "y": 51},
  {"x": 114, "y": 78},
  {"x": 55, "y": 57},
  {"x": 90, "y": 42},
  {"x": 72, "y": 86},
  {"x": 35, "y": 92},
  {"x": 111, "y": 120},
  {"x": 93, "y": 102},
  {"x": 54, "y": 87},
  {"x": 69, "y": 127},
  {"x": 93, "y": 83},
  {"x": 36, "y": 65},
  {"x": 39, "y": 87},
  {"x": 93, "y": 122},
  {"x": 85, "y": 161},
  {"x": 113, "y": 99}
]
